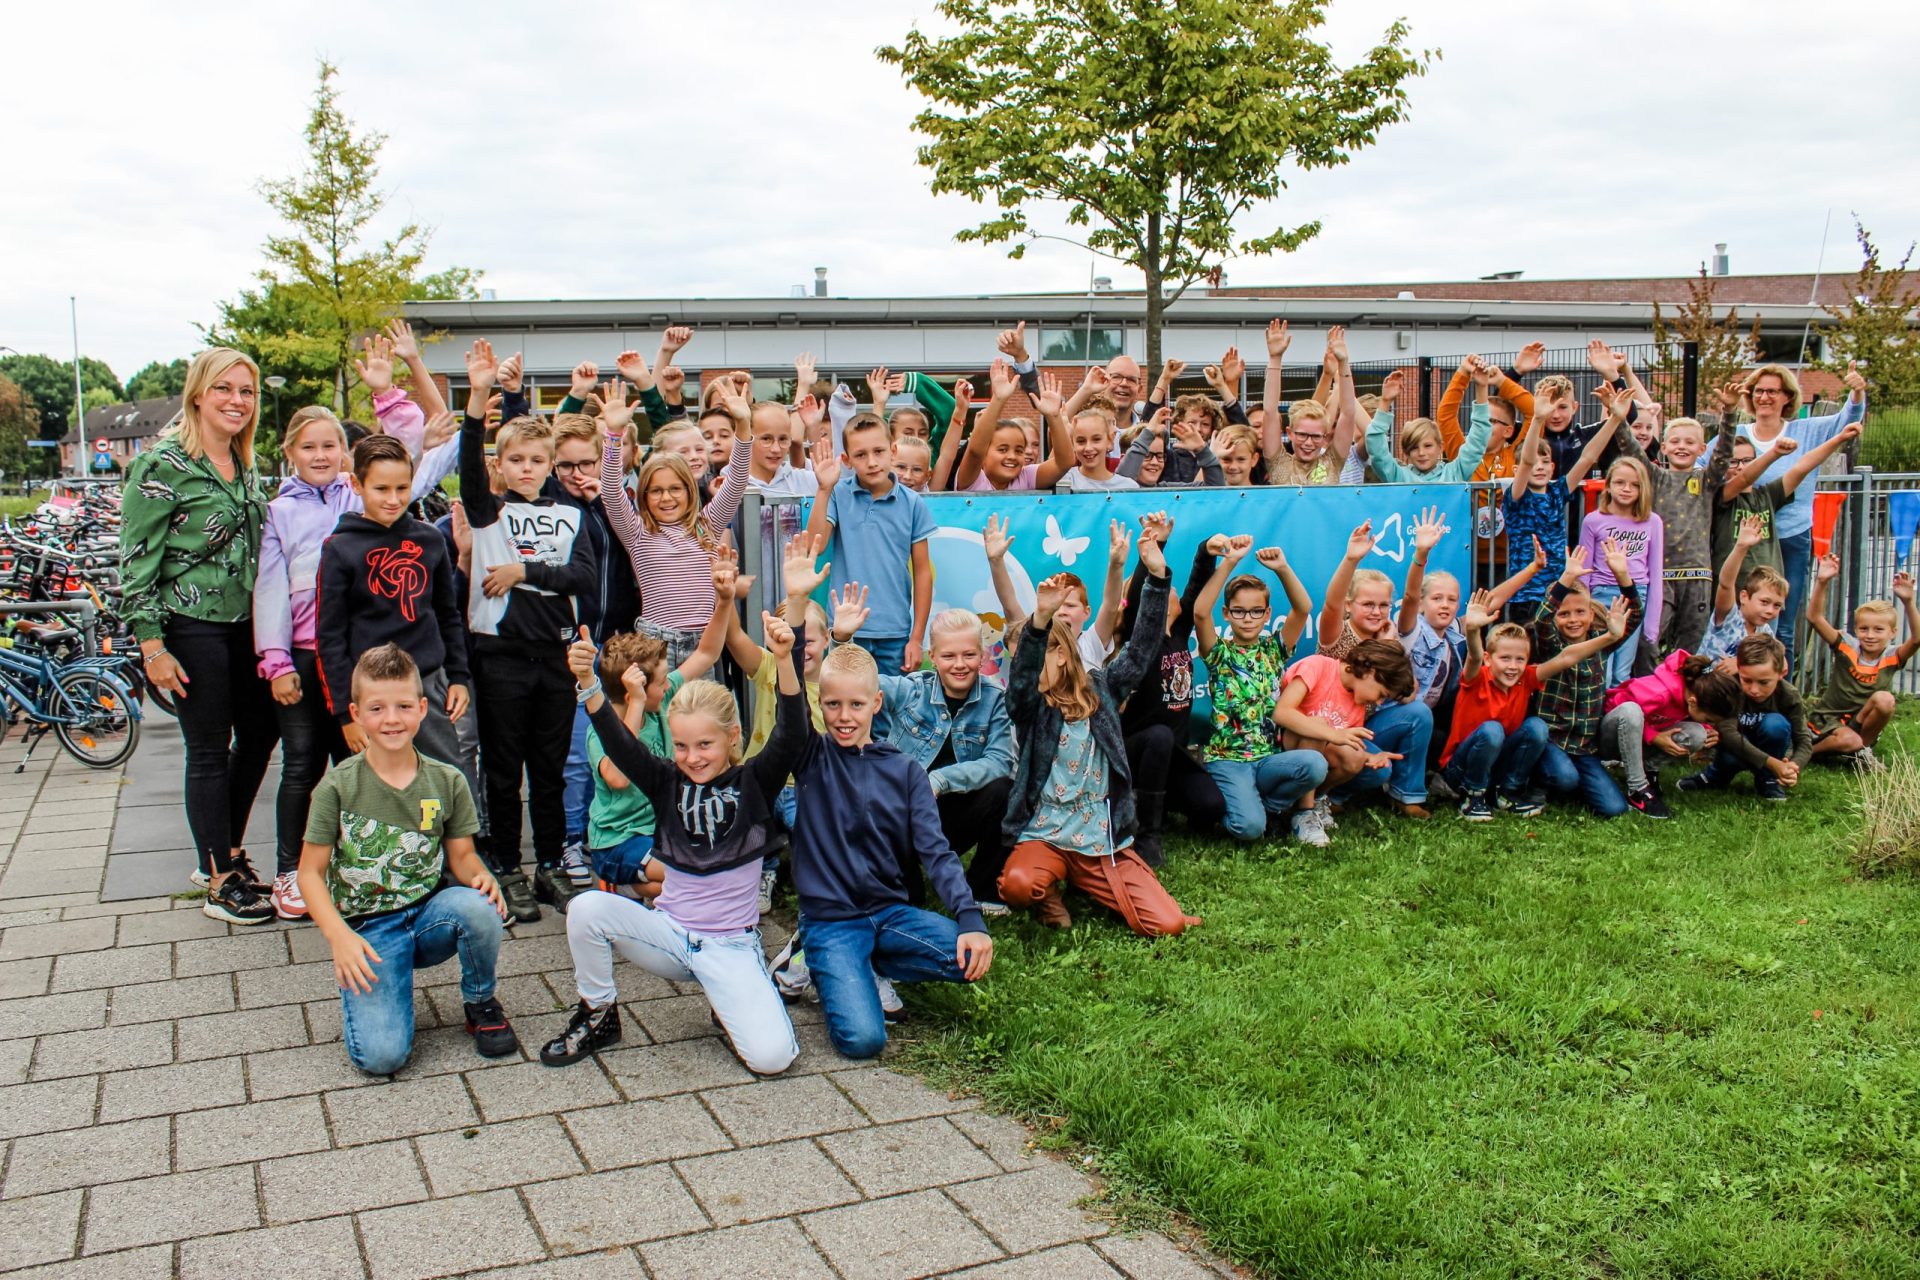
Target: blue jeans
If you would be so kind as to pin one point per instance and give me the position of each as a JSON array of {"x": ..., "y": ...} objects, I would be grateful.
[
  {"x": 622, "y": 864},
  {"x": 1405, "y": 728},
  {"x": 1796, "y": 560},
  {"x": 577, "y": 779},
  {"x": 1620, "y": 660},
  {"x": 1558, "y": 771},
  {"x": 897, "y": 941},
  {"x": 1270, "y": 785},
  {"x": 1767, "y": 730},
  {"x": 378, "y": 1026},
  {"x": 1491, "y": 755},
  {"x": 888, "y": 651}
]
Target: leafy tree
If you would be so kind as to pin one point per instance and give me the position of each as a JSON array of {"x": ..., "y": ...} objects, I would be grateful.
[
  {"x": 1875, "y": 327},
  {"x": 18, "y": 423},
  {"x": 48, "y": 384},
  {"x": 455, "y": 284},
  {"x": 1725, "y": 349},
  {"x": 1156, "y": 123},
  {"x": 157, "y": 381}
]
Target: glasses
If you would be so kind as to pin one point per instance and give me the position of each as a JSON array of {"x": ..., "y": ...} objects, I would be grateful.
[
  {"x": 668, "y": 491},
  {"x": 1310, "y": 436},
  {"x": 569, "y": 468},
  {"x": 1156, "y": 455},
  {"x": 1505, "y": 424},
  {"x": 1769, "y": 392},
  {"x": 244, "y": 393},
  {"x": 1249, "y": 614}
]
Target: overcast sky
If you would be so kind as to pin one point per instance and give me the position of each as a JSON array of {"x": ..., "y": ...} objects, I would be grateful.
[{"x": 725, "y": 148}]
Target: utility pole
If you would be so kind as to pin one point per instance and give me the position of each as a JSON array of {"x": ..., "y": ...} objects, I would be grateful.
[{"x": 79, "y": 399}]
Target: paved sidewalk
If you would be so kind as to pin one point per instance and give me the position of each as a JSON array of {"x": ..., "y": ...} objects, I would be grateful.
[{"x": 174, "y": 1101}]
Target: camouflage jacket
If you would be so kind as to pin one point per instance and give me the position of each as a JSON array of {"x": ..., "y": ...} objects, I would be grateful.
[{"x": 189, "y": 541}]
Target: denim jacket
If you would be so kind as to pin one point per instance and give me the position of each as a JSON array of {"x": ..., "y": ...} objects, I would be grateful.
[
  {"x": 1426, "y": 650},
  {"x": 918, "y": 724}
]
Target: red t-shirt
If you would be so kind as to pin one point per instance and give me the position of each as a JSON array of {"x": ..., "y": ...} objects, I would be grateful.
[{"x": 1480, "y": 700}]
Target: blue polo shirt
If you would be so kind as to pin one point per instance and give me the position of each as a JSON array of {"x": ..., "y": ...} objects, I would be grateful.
[{"x": 872, "y": 544}]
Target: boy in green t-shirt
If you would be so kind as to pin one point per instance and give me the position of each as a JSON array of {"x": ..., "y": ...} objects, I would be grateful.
[{"x": 381, "y": 829}]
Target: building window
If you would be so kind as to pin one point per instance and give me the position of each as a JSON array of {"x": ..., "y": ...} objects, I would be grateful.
[
  {"x": 1789, "y": 348},
  {"x": 1071, "y": 346}
]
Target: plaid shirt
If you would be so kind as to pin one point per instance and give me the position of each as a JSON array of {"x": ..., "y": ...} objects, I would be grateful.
[{"x": 1573, "y": 701}]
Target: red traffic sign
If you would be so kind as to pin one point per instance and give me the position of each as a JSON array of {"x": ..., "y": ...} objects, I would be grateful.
[{"x": 102, "y": 446}]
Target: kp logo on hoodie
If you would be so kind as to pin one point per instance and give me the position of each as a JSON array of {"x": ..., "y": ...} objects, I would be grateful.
[{"x": 397, "y": 574}]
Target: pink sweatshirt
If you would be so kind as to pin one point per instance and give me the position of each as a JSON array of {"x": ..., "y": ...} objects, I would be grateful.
[{"x": 1661, "y": 695}]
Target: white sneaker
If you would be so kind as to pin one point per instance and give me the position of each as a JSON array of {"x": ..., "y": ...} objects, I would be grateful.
[
  {"x": 890, "y": 1002},
  {"x": 1309, "y": 829},
  {"x": 766, "y": 890},
  {"x": 994, "y": 908},
  {"x": 287, "y": 902},
  {"x": 790, "y": 976},
  {"x": 1865, "y": 761},
  {"x": 576, "y": 866}
]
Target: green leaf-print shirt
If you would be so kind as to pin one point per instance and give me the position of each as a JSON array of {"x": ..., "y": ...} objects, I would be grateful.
[
  {"x": 189, "y": 541},
  {"x": 1245, "y": 683},
  {"x": 387, "y": 842}
]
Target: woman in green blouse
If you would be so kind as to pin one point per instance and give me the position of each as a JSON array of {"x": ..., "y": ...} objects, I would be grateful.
[{"x": 189, "y": 544}]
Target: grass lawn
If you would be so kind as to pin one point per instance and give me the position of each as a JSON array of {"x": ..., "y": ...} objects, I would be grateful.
[{"x": 1548, "y": 1048}]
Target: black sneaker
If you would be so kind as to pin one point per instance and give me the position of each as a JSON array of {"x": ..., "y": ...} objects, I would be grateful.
[
  {"x": 1476, "y": 807},
  {"x": 588, "y": 1031},
  {"x": 487, "y": 1024},
  {"x": 515, "y": 888},
  {"x": 554, "y": 886},
  {"x": 1695, "y": 783},
  {"x": 1650, "y": 802},
  {"x": 237, "y": 902},
  {"x": 1771, "y": 789},
  {"x": 1528, "y": 804},
  {"x": 243, "y": 866}
]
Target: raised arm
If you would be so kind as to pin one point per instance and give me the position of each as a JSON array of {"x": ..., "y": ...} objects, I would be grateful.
[
  {"x": 406, "y": 348},
  {"x": 1617, "y": 403},
  {"x": 1230, "y": 552},
  {"x": 950, "y": 440},
  {"x": 1000, "y": 387},
  {"x": 1815, "y": 458},
  {"x": 1726, "y": 590},
  {"x": 996, "y": 540},
  {"x": 1507, "y": 590},
  {"x": 1113, "y": 591},
  {"x": 1903, "y": 592},
  {"x": 1618, "y": 615},
  {"x": 826, "y": 474},
  {"x": 1531, "y": 446},
  {"x": 476, "y": 485},
  {"x": 1447, "y": 412},
  {"x": 1060, "y": 460},
  {"x": 1299, "y": 603},
  {"x": 1428, "y": 529},
  {"x": 616, "y": 415},
  {"x": 1333, "y": 609},
  {"x": 1379, "y": 447},
  {"x": 1826, "y": 571},
  {"x": 1278, "y": 340}
]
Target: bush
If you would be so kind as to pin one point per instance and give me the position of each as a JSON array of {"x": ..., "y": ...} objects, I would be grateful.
[
  {"x": 1889, "y": 838},
  {"x": 1891, "y": 441}
]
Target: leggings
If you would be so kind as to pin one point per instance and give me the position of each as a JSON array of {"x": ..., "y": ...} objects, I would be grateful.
[
  {"x": 969, "y": 820},
  {"x": 309, "y": 738},
  {"x": 1158, "y": 763},
  {"x": 227, "y": 720},
  {"x": 526, "y": 722}
]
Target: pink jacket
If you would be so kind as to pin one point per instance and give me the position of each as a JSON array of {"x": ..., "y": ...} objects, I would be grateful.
[{"x": 1662, "y": 695}]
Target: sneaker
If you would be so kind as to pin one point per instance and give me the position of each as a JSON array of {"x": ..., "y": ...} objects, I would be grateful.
[
  {"x": 767, "y": 875},
  {"x": 891, "y": 1005},
  {"x": 1528, "y": 804},
  {"x": 200, "y": 878},
  {"x": 1866, "y": 762},
  {"x": 1695, "y": 783},
  {"x": 287, "y": 902},
  {"x": 1310, "y": 828},
  {"x": 1771, "y": 789},
  {"x": 588, "y": 1031},
  {"x": 577, "y": 867},
  {"x": 790, "y": 975},
  {"x": 243, "y": 865},
  {"x": 487, "y": 1024},
  {"x": 993, "y": 907},
  {"x": 518, "y": 892},
  {"x": 237, "y": 902},
  {"x": 1650, "y": 802},
  {"x": 1438, "y": 790},
  {"x": 1475, "y": 807},
  {"x": 553, "y": 886}
]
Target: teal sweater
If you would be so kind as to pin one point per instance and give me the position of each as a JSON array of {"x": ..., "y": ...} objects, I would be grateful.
[{"x": 1458, "y": 469}]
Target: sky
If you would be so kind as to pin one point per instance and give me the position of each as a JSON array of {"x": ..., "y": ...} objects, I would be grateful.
[{"x": 582, "y": 149}]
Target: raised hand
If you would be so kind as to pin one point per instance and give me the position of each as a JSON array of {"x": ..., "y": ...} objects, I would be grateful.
[
  {"x": 1051, "y": 402},
  {"x": 1576, "y": 566},
  {"x": 1278, "y": 340},
  {"x": 1047, "y": 598},
  {"x": 615, "y": 411},
  {"x": 1095, "y": 380},
  {"x": 1390, "y": 389},
  {"x": 1156, "y": 526},
  {"x": 482, "y": 368},
  {"x": 1217, "y": 380},
  {"x": 510, "y": 372},
  {"x": 1727, "y": 396},
  {"x": 877, "y": 388},
  {"x": 1616, "y": 557},
  {"x": 962, "y": 397},
  {"x": 1233, "y": 367},
  {"x": 1617, "y": 614},
  {"x": 1271, "y": 558},
  {"x": 1187, "y": 435},
  {"x": 441, "y": 427},
  {"x": 1605, "y": 361},
  {"x": 1903, "y": 586},
  {"x": 738, "y": 405},
  {"x": 585, "y": 377},
  {"x": 826, "y": 463},
  {"x": 995, "y": 537},
  {"x": 812, "y": 412},
  {"x": 1153, "y": 554},
  {"x": 1753, "y": 532},
  {"x": 1428, "y": 530},
  {"x": 1012, "y": 343},
  {"x": 1479, "y": 611},
  {"x": 376, "y": 371},
  {"x": 1616, "y": 401},
  {"x": 1539, "y": 554},
  {"x": 1829, "y": 567},
  {"x": 676, "y": 337},
  {"x": 400, "y": 340},
  {"x": 1001, "y": 378},
  {"x": 726, "y": 570},
  {"x": 1119, "y": 543},
  {"x": 1855, "y": 380},
  {"x": 779, "y": 635},
  {"x": 1481, "y": 372},
  {"x": 633, "y": 367},
  {"x": 634, "y": 681},
  {"x": 805, "y": 371},
  {"x": 797, "y": 564},
  {"x": 850, "y": 611},
  {"x": 671, "y": 379},
  {"x": 462, "y": 530},
  {"x": 1238, "y": 545},
  {"x": 1172, "y": 369},
  {"x": 1360, "y": 542},
  {"x": 1337, "y": 344},
  {"x": 1531, "y": 357},
  {"x": 580, "y": 658},
  {"x": 1217, "y": 545}
]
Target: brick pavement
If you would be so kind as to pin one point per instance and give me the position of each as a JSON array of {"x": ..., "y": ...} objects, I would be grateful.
[{"x": 174, "y": 1102}]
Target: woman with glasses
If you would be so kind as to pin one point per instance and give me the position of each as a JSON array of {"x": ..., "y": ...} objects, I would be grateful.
[
  {"x": 1773, "y": 397},
  {"x": 189, "y": 544}
]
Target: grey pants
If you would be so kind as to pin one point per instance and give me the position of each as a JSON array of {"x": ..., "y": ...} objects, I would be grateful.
[
  {"x": 1623, "y": 733},
  {"x": 454, "y": 744}
]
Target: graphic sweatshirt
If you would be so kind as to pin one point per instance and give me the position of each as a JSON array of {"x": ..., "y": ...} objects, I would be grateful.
[
  {"x": 538, "y": 615},
  {"x": 378, "y": 583}
]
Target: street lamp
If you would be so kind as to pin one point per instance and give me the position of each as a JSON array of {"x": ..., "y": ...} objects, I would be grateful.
[{"x": 275, "y": 382}]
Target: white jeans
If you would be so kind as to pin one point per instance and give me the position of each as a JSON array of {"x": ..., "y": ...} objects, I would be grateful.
[{"x": 731, "y": 970}]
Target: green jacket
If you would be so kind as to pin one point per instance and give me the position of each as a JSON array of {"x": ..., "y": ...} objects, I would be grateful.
[{"x": 189, "y": 541}]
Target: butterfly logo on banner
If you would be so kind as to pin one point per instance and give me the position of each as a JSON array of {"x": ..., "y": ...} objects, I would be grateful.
[
  {"x": 1399, "y": 551},
  {"x": 1057, "y": 544}
]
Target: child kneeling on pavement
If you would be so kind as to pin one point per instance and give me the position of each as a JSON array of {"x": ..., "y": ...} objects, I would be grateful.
[{"x": 382, "y": 827}]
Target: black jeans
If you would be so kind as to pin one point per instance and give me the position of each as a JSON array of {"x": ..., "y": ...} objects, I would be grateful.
[
  {"x": 1158, "y": 763},
  {"x": 309, "y": 738},
  {"x": 526, "y": 725},
  {"x": 227, "y": 720},
  {"x": 970, "y": 819}
]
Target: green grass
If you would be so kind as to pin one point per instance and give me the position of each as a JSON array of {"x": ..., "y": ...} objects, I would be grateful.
[
  {"x": 1557, "y": 1048},
  {"x": 16, "y": 507}
]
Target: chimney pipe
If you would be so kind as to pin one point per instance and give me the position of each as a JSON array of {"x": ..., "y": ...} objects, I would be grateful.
[
  {"x": 819, "y": 282},
  {"x": 1720, "y": 259}
]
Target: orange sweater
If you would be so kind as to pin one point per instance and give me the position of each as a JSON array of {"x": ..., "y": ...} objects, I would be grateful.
[{"x": 1499, "y": 463}]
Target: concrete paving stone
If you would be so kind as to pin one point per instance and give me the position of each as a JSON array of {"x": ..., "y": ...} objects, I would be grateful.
[
  {"x": 655, "y": 1071},
  {"x": 323, "y": 1020},
  {"x": 49, "y": 1015},
  {"x": 25, "y": 977},
  {"x": 105, "y": 1153},
  {"x": 169, "y": 926},
  {"x": 104, "y": 787},
  {"x": 762, "y": 1251},
  {"x": 35, "y": 915},
  {"x": 600, "y": 1210},
  {"x": 326, "y": 1248},
  {"x": 447, "y": 1237},
  {"x": 331, "y": 1182},
  {"x": 256, "y": 949},
  {"x": 531, "y": 1088},
  {"x": 920, "y": 1234},
  {"x": 145, "y": 906},
  {"x": 250, "y": 1131},
  {"x": 62, "y": 824},
  {"x": 1031, "y": 1210},
  {"x": 55, "y": 902},
  {"x": 315, "y": 1068},
  {"x": 134, "y": 877},
  {"x": 31, "y": 881},
  {"x": 152, "y": 1263},
  {"x": 770, "y": 1110},
  {"x": 536, "y": 1029},
  {"x": 76, "y": 1053},
  {"x": 60, "y": 802},
  {"x": 765, "y": 1182},
  {"x": 643, "y": 1132},
  {"x": 184, "y": 1086},
  {"x": 1070, "y": 1262},
  {"x": 16, "y": 1058},
  {"x": 115, "y": 967},
  {"x": 673, "y": 1018},
  {"x": 399, "y": 1110},
  {"x": 544, "y": 953},
  {"x": 179, "y": 1206},
  {"x": 497, "y": 1155},
  {"x": 611, "y": 1264},
  {"x": 45, "y": 1106},
  {"x": 218, "y": 1035},
  {"x": 42, "y": 1229},
  {"x": 817, "y": 1054},
  {"x": 908, "y": 1156},
  {"x": 26, "y": 940},
  {"x": 288, "y": 984},
  {"x": 174, "y": 998},
  {"x": 307, "y": 945},
  {"x": 82, "y": 856},
  {"x": 1154, "y": 1257},
  {"x": 520, "y": 996},
  {"x": 438, "y": 1051},
  {"x": 1007, "y": 1141},
  {"x": 888, "y": 1096}
]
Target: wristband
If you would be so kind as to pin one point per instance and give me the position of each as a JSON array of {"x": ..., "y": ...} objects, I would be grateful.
[
  {"x": 157, "y": 653},
  {"x": 584, "y": 695}
]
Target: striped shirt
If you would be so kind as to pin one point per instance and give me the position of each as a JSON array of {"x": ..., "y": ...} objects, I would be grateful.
[{"x": 671, "y": 566}]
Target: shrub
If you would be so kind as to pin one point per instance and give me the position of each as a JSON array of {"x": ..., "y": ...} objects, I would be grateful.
[{"x": 1889, "y": 835}]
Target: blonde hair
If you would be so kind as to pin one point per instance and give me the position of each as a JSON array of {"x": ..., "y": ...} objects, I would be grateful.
[
  {"x": 1643, "y": 506},
  {"x": 1368, "y": 578},
  {"x": 914, "y": 442},
  {"x": 1434, "y": 579},
  {"x": 201, "y": 375},
  {"x": 1418, "y": 430},
  {"x": 574, "y": 426},
  {"x": 667, "y": 460},
  {"x": 1305, "y": 409},
  {"x": 1667, "y": 430},
  {"x": 523, "y": 430},
  {"x": 1554, "y": 386},
  {"x": 949, "y": 621},
  {"x": 853, "y": 662},
  {"x": 663, "y": 439},
  {"x": 1236, "y": 433},
  {"x": 708, "y": 698},
  {"x": 1765, "y": 575},
  {"x": 1879, "y": 609},
  {"x": 307, "y": 417},
  {"x": 1508, "y": 631},
  {"x": 1071, "y": 691},
  {"x": 1790, "y": 383}
]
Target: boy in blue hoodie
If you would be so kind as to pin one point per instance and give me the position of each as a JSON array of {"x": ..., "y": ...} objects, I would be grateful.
[{"x": 857, "y": 802}]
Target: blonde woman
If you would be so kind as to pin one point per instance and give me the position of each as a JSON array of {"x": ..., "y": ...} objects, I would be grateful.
[{"x": 189, "y": 545}]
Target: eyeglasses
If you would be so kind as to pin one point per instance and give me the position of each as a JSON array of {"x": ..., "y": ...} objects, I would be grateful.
[
  {"x": 1249, "y": 614},
  {"x": 1310, "y": 436},
  {"x": 244, "y": 393},
  {"x": 1757, "y": 392},
  {"x": 569, "y": 468},
  {"x": 1156, "y": 455}
]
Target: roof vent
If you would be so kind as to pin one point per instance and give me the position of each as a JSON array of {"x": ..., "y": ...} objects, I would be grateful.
[
  {"x": 1720, "y": 266},
  {"x": 819, "y": 282},
  {"x": 1103, "y": 284}
]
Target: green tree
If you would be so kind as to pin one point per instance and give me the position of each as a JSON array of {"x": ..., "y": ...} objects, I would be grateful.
[
  {"x": 158, "y": 381},
  {"x": 1875, "y": 327},
  {"x": 48, "y": 384},
  {"x": 1725, "y": 349},
  {"x": 1155, "y": 123},
  {"x": 19, "y": 421}
]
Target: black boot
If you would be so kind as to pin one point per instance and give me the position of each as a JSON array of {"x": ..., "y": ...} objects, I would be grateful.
[{"x": 1149, "y": 811}]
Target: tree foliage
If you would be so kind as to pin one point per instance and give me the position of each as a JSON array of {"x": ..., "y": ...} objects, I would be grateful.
[
  {"x": 18, "y": 423},
  {"x": 157, "y": 381},
  {"x": 1875, "y": 327},
  {"x": 1726, "y": 349},
  {"x": 48, "y": 384},
  {"x": 1155, "y": 123}
]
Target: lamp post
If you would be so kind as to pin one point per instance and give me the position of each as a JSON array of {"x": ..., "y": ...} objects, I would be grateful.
[{"x": 275, "y": 382}]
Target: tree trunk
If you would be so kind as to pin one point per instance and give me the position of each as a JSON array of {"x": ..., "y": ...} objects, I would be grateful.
[{"x": 1156, "y": 303}]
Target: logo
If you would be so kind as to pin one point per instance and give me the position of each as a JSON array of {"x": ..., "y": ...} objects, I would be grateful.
[
  {"x": 397, "y": 574},
  {"x": 1058, "y": 544},
  {"x": 429, "y": 810}
]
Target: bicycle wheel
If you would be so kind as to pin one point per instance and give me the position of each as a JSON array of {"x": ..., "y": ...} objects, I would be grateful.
[{"x": 98, "y": 726}]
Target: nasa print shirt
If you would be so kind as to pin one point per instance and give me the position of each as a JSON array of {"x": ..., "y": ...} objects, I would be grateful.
[
  {"x": 538, "y": 614},
  {"x": 379, "y": 583}
]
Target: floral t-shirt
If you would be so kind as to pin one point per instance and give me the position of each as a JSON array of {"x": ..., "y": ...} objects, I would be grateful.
[
  {"x": 387, "y": 841},
  {"x": 1245, "y": 685}
]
